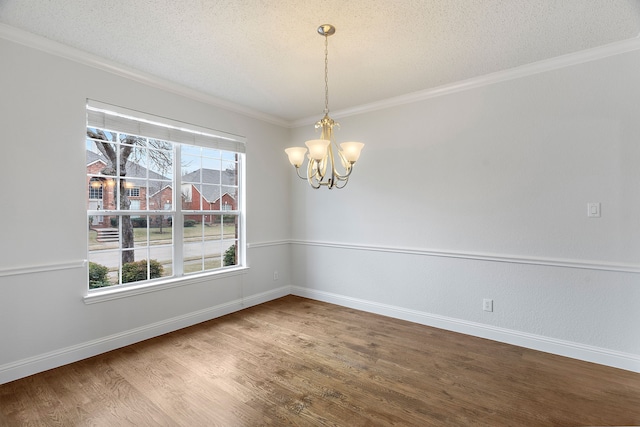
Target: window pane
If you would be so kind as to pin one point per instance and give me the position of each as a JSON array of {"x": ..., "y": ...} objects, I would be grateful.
[
  {"x": 213, "y": 249},
  {"x": 132, "y": 140},
  {"x": 160, "y": 195},
  {"x": 230, "y": 256},
  {"x": 160, "y": 230},
  {"x": 109, "y": 199},
  {"x": 230, "y": 167},
  {"x": 192, "y": 265},
  {"x": 210, "y": 197},
  {"x": 135, "y": 192},
  {"x": 186, "y": 196},
  {"x": 212, "y": 228},
  {"x": 211, "y": 153},
  {"x": 194, "y": 192},
  {"x": 160, "y": 161},
  {"x": 211, "y": 262},
  {"x": 210, "y": 164},
  {"x": 190, "y": 169},
  {"x": 101, "y": 236},
  {"x": 230, "y": 227},
  {"x": 229, "y": 198},
  {"x": 103, "y": 269},
  {"x": 193, "y": 244},
  {"x": 228, "y": 155},
  {"x": 210, "y": 176},
  {"x": 161, "y": 262},
  {"x": 140, "y": 230},
  {"x": 142, "y": 270},
  {"x": 203, "y": 248}
]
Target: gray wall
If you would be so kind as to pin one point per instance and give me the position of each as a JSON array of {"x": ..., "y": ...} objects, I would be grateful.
[
  {"x": 44, "y": 320},
  {"x": 482, "y": 193}
]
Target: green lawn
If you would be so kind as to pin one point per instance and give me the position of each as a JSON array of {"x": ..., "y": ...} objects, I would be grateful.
[{"x": 211, "y": 232}]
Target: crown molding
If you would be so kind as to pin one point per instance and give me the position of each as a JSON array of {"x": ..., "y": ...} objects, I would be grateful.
[
  {"x": 58, "y": 49},
  {"x": 49, "y": 46},
  {"x": 543, "y": 66}
]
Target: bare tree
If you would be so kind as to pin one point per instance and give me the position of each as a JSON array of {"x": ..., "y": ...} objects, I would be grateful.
[{"x": 105, "y": 143}]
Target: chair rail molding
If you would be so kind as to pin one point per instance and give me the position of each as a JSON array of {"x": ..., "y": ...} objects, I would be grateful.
[
  {"x": 482, "y": 256},
  {"x": 42, "y": 268}
]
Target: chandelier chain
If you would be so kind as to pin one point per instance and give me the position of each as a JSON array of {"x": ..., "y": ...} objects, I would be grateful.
[{"x": 326, "y": 74}]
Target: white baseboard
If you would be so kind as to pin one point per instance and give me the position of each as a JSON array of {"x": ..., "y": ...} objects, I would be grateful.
[
  {"x": 32, "y": 365},
  {"x": 602, "y": 356}
]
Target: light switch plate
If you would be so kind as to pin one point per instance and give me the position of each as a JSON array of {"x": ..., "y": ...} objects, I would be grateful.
[{"x": 593, "y": 209}]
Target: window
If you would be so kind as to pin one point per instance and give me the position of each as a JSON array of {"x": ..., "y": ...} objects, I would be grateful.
[
  {"x": 95, "y": 189},
  {"x": 171, "y": 198},
  {"x": 133, "y": 192}
]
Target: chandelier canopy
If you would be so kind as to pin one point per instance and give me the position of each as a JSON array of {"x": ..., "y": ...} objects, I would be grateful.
[{"x": 321, "y": 167}]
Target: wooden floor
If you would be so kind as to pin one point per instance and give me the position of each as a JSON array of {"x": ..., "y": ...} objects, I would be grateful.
[{"x": 301, "y": 362}]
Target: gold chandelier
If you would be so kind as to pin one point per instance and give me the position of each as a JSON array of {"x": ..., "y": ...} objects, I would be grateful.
[{"x": 321, "y": 168}]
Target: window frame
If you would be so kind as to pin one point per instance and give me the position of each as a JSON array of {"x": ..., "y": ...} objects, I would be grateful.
[{"x": 202, "y": 137}]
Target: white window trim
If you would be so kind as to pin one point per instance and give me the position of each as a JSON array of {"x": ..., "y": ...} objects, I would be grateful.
[{"x": 125, "y": 291}]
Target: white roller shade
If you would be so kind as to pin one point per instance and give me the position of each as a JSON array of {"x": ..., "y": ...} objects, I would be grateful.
[{"x": 115, "y": 118}]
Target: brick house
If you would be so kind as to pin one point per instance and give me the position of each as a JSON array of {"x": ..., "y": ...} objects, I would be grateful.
[
  {"x": 205, "y": 189},
  {"x": 216, "y": 193}
]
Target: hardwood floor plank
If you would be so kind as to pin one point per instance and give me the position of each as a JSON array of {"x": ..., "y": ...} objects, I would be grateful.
[
  {"x": 306, "y": 369},
  {"x": 299, "y": 362},
  {"x": 393, "y": 386},
  {"x": 114, "y": 400}
]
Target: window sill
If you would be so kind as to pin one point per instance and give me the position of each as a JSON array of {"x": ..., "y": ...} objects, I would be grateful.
[{"x": 117, "y": 292}]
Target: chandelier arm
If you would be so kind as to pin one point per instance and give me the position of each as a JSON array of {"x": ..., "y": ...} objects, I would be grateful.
[
  {"x": 347, "y": 169},
  {"x": 314, "y": 174},
  {"x": 323, "y": 165},
  {"x": 346, "y": 181},
  {"x": 333, "y": 167},
  {"x": 314, "y": 182},
  {"x": 314, "y": 186},
  {"x": 343, "y": 177},
  {"x": 298, "y": 173}
]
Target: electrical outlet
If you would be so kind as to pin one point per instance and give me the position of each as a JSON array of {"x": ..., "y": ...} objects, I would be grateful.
[
  {"x": 487, "y": 304},
  {"x": 275, "y": 275}
]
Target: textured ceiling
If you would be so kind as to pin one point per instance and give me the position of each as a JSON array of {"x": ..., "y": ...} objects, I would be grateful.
[{"x": 266, "y": 54}]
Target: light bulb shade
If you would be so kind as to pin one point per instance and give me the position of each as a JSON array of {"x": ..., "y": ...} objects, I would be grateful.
[
  {"x": 296, "y": 155},
  {"x": 318, "y": 148},
  {"x": 351, "y": 150}
]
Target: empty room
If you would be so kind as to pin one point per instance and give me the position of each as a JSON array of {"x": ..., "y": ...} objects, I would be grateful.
[{"x": 320, "y": 213}]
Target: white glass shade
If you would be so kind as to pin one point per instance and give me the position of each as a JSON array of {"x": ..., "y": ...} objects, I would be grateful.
[
  {"x": 317, "y": 148},
  {"x": 296, "y": 155},
  {"x": 351, "y": 150}
]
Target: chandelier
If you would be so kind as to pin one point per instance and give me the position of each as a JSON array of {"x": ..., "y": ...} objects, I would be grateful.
[{"x": 321, "y": 167}]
